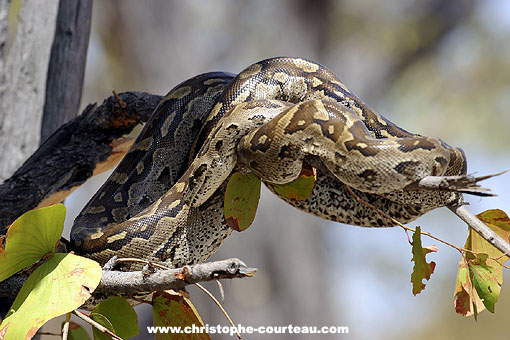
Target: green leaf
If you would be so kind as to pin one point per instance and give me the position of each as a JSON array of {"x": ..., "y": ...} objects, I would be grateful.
[
  {"x": 299, "y": 189},
  {"x": 422, "y": 269},
  {"x": 241, "y": 200},
  {"x": 32, "y": 236},
  {"x": 171, "y": 308},
  {"x": 116, "y": 314},
  {"x": 77, "y": 332},
  {"x": 56, "y": 287},
  {"x": 486, "y": 280}
]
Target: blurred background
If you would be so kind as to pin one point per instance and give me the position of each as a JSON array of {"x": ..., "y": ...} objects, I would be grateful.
[{"x": 434, "y": 67}]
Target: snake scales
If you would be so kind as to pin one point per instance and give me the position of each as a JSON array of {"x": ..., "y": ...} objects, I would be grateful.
[{"x": 164, "y": 202}]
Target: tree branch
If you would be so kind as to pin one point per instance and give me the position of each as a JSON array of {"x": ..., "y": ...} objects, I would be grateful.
[
  {"x": 96, "y": 139},
  {"x": 139, "y": 281},
  {"x": 96, "y": 324},
  {"x": 466, "y": 184},
  {"x": 480, "y": 227},
  {"x": 87, "y": 145},
  {"x": 126, "y": 283}
]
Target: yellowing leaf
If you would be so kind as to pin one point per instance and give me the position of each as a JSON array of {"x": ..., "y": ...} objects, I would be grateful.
[
  {"x": 32, "y": 236},
  {"x": 463, "y": 288},
  {"x": 116, "y": 314},
  {"x": 241, "y": 200},
  {"x": 58, "y": 286},
  {"x": 498, "y": 222},
  {"x": 465, "y": 299},
  {"x": 171, "y": 308},
  {"x": 422, "y": 269},
  {"x": 301, "y": 188}
]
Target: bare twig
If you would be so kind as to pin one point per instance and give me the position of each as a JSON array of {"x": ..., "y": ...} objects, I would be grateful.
[
  {"x": 65, "y": 329},
  {"x": 220, "y": 287},
  {"x": 185, "y": 274},
  {"x": 122, "y": 103},
  {"x": 132, "y": 259},
  {"x": 480, "y": 227},
  {"x": 219, "y": 306},
  {"x": 403, "y": 226},
  {"x": 461, "y": 211},
  {"x": 100, "y": 327}
]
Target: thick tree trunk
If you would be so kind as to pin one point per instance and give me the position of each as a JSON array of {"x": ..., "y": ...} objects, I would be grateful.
[
  {"x": 4, "y": 10},
  {"x": 67, "y": 65},
  {"x": 23, "y": 82},
  {"x": 23, "y": 71}
]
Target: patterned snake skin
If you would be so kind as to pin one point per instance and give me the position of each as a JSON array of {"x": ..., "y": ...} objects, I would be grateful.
[{"x": 164, "y": 202}]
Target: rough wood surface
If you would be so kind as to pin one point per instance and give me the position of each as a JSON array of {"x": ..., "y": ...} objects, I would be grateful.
[
  {"x": 115, "y": 282},
  {"x": 480, "y": 227},
  {"x": 23, "y": 85},
  {"x": 4, "y": 11},
  {"x": 72, "y": 154},
  {"x": 66, "y": 68}
]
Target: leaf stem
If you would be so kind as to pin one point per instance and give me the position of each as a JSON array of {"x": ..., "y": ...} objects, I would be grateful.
[{"x": 461, "y": 250}]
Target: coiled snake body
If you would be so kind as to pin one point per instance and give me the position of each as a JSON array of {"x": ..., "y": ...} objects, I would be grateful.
[{"x": 269, "y": 119}]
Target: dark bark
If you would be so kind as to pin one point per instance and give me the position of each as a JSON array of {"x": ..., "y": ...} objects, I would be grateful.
[
  {"x": 69, "y": 156},
  {"x": 66, "y": 68}
]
